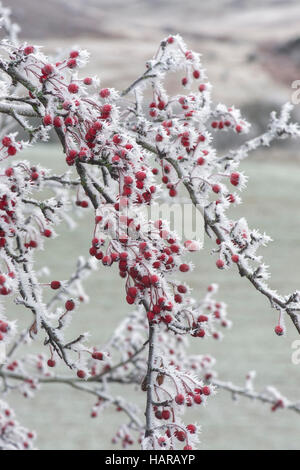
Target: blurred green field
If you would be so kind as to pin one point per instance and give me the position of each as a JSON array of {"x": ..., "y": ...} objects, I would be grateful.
[{"x": 271, "y": 203}]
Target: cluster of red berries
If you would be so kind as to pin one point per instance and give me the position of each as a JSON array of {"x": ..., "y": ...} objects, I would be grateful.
[
  {"x": 156, "y": 106},
  {"x": 225, "y": 124},
  {"x": 9, "y": 426},
  {"x": 180, "y": 434},
  {"x": 11, "y": 148}
]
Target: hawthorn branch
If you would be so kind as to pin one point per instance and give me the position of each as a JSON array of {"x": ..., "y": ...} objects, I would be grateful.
[
  {"x": 248, "y": 393},
  {"x": 274, "y": 299}
]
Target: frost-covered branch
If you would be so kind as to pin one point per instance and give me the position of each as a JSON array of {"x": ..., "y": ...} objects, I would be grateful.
[{"x": 271, "y": 395}]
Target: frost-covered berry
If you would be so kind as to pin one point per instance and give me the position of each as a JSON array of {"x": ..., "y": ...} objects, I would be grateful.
[
  {"x": 72, "y": 63},
  {"x": 55, "y": 285},
  {"x": 235, "y": 258},
  {"x": 81, "y": 374},
  {"x": 235, "y": 179},
  {"x": 166, "y": 414},
  {"x": 57, "y": 121},
  {"x": 191, "y": 428},
  {"x": 216, "y": 188},
  {"x": 98, "y": 356},
  {"x": 180, "y": 435},
  {"x": 74, "y": 54},
  {"x": 88, "y": 81},
  {"x": 28, "y": 50},
  {"x": 184, "y": 268},
  {"x": 179, "y": 399},
  {"x": 69, "y": 305},
  {"x": 220, "y": 264},
  {"x": 279, "y": 330},
  {"x": 47, "y": 69},
  {"x": 104, "y": 93},
  {"x": 47, "y": 120},
  {"x": 197, "y": 399},
  {"x": 73, "y": 88},
  {"x": 11, "y": 150},
  {"x": 6, "y": 141}
]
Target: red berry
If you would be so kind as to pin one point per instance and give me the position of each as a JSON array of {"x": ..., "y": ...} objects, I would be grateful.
[
  {"x": 216, "y": 188},
  {"x": 235, "y": 258},
  {"x": 6, "y": 141},
  {"x": 11, "y": 150},
  {"x": 55, "y": 285},
  {"x": 197, "y": 399},
  {"x": 234, "y": 179},
  {"x": 47, "y": 69},
  {"x": 206, "y": 390},
  {"x": 130, "y": 300},
  {"x": 279, "y": 330},
  {"x": 47, "y": 233},
  {"x": 179, "y": 399},
  {"x": 47, "y": 120},
  {"x": 88, "y": 81},
  {"x": 184, "y": 268},
  {"x": 73, "y": 88},
  {"x": 128, "y": 180},
  {"x": 69, "y": 305},
  {"x": 132, "y": 292},
  {"x": 3, "y": 327},
  {"x": 191, "y": 428},
  {"x": 180, "y": 435},
  {"x": 150, "y": 316},
  {"x": 34, "y": 175},
  {"x": 57, "y": 121},
  {"x": 72, "y": 63},
  {"x": 98, "y": 356},
  {"x": 220, "y": 264},
  {"x": 202, "y": 318},
  {"x": 28, "y": 50},
  {"x": 51, "y": 363},
  {"x": 104, "y": 93},
  {"x": 140, "y": 175},
  {"x": 153, "y": 279},
  {"x": 81, "y": 374},
  {"x": 182, "y": 289},
  {"x": 74, "y": 54}
]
